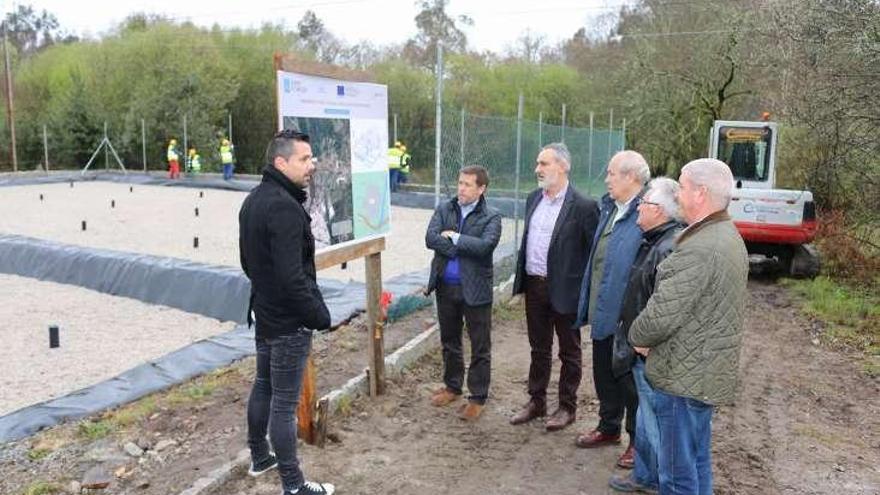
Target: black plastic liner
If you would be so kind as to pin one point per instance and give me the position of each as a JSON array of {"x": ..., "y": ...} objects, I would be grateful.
[{"x": 216, "y": 291}]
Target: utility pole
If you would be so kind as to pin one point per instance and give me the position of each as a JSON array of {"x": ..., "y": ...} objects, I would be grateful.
[{"x": 10, "y": 105}]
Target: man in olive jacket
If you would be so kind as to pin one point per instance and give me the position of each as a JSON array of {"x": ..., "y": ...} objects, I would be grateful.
[
  {"x": 691, "y": 328},
  {"x": 463, "y": 234}
]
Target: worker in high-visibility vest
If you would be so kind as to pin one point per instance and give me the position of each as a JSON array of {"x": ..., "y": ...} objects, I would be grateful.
[
  {"x": 394, "y": 156},
  {"x": 404, "y": 165},
  {"x": 226, "y": 158},
  {"x": 173, "y": 160},
  {"x": 193, "y": 162}
]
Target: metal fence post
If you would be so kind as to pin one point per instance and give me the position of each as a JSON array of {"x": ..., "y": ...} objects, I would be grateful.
[
  {"x": 45, "y": 150},
  {"x": 395, "y": 128},
  {"x": 623, "y": 136},
  {"x": 540, "y": 130},
  {"x": 185, "y": 155},
  {"x": 519, "y": 123},
  {"x": 610, "y": 131},
  {"x": 562, "y": 138},
  {"x": 461, "y": 139},
  {"x": 144, "y": 144},
  {"x": 590, "y": 157},
  {"x": 439, "y": 129}
]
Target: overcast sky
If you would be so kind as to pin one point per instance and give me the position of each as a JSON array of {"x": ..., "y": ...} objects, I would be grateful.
[{"x": 497, "y": 23}]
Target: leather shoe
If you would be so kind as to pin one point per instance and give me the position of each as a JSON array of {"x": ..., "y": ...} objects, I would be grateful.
[
  {"x": 627, "y": 459},
  {"x": 559, "y": 419},
  {"x": 443, "y": 397},
  {"x": 470, "y": 411},
  {"x": 529, "y": 412},
  {"x": 629, "y": 485},
  {"x": 595, "y": 439}
]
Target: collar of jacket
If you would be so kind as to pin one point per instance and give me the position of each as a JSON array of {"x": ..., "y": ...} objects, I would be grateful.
[
  {"x": 716, "y": 217},
  {"x": 608, "y": 202},
  {"x": 480, "y": 203},
  {"x": 657, "y": 232},
  {"x": 275, "y": 175}
]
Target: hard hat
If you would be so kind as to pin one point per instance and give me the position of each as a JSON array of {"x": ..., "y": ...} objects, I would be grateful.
[
  {"x": 173, "y": 141},
  {"x": 224, "y": 142},
  {"x": 397, "y": 144}
]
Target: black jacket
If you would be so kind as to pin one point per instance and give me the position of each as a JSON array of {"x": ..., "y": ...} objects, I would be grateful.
[
  {"x": 656, "y": 245},
  {"x": 278, "y": 256},
  {"x": 569, "y": 248},
  {"x": 476, "y": 243}
]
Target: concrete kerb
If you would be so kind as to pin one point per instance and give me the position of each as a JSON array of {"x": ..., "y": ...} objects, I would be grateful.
[{"x": 395, "y": 364}]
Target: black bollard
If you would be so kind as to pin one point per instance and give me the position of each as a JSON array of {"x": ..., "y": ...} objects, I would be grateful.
[
  {"x": 84, "y": 225},
  {"x": 195, "y": 242},
  {"x": 201, "y": 194},
  {"x": 130, "y": 188},
  {"x": 41, "y": 197},
  {"x": 112, "y": 203},
  {"x": 197, "y": 211},
  {"x": 54, "y": 340}
]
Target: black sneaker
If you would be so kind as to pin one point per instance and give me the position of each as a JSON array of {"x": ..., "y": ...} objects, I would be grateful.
[
  {"x": 312, "y": 488},
  {"x": 261, "y": 467}
]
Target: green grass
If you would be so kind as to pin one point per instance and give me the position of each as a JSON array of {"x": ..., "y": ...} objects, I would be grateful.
[
  {"x": 41, "y": 488},
  {"x": 851, "y": 315},
  {"x": 38, "y": 453},
  {"x": 95, "y": 430}
]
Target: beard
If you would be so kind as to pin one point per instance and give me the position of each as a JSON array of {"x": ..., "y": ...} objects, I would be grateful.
[{"x": 548, "y": 181}]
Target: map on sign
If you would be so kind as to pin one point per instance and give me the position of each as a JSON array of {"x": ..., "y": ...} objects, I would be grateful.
[{"x": 347, "y": 122}]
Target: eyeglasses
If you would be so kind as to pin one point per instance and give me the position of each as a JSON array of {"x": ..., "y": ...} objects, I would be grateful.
[{"x": 649, "y": 203}]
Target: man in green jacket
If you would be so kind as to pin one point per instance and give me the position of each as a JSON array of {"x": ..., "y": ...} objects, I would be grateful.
[{"x": 691, "y": 328}]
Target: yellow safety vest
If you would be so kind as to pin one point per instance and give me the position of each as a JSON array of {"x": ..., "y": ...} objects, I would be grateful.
[
  {"x": 225, "y": 154},
  {"x": 394, "y": 155},
  {"x": 195, "y": 163},
  {"x": 404, "y": 161},
  {"x": 172, "y": 153}
]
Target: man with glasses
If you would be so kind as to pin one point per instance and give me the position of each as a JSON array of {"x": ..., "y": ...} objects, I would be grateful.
[
  {"x": 658, "y": 221},
  {"x": 277, "y": 252}
]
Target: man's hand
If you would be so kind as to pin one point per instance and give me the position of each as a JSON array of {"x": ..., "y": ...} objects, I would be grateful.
[
  {"x": 642, "y": 350},
  {"x": 447, "y": 234}
]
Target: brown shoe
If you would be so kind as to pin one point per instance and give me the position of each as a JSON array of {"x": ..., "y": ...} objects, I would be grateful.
[
  {"x": 595, "y": 439},
  {"x": 529, "y": 412},
  {"x": 627, "y": 459},
  {"x": 559, "y": 419},
  {"x": 470, "y": 411},
  {"x": 443, "y": 397}
]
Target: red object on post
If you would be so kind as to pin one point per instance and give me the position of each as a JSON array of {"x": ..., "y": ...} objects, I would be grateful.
[{"x": 384, "y": 302}]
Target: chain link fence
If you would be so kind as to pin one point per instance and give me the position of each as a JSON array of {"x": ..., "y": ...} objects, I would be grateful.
[{"x": 492, "y": 142}]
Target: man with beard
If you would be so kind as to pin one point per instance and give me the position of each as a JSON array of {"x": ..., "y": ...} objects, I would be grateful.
[{"x": 559, "y": 227}]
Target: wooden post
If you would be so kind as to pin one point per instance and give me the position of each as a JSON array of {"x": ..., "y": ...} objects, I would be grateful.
[
  {"x": 375, "y": 324},
  {"x": 311, "y": 415},
  {"x": 305, "y": 410}
]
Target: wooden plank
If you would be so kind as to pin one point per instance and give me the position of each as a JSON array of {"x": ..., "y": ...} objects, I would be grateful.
[
  {"x": 348, "y": 251},
  {"x": 289, "y": 62},
  {"x": 375, "y": 324}
]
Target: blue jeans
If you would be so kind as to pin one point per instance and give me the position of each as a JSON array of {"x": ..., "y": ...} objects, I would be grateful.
[
  {"x": 394, "y": 178},
  {"x": 227, "y": 171},
  {"x": 647, "y": 431},
  {"x": 684, "y": 456},
  {"x": 281, "y": 364}
]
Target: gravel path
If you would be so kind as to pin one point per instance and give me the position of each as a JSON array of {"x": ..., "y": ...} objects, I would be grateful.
[
  {"x": 161, "y": 221},
  {"x": 101, "y": 336}
]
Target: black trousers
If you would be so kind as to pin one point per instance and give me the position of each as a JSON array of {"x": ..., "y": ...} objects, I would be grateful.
[
  {"x": 616, "y": 395},
  {"x": 543, "y": 322},
  {"x": 453, "y": 314}
]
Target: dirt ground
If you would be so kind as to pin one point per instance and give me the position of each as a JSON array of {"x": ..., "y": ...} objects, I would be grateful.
[{"x": 807, "y": 422}]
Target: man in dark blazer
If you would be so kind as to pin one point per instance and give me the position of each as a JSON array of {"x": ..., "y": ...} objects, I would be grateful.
[{"x": 559, "y": 228}]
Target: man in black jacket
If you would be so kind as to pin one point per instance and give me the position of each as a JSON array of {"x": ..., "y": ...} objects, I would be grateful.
[
  {"x": 658, "y": 220},
  {"x": 278, "y": 256},
  {"x": 463, "y": 234},
  {"x": 559, "y": 229}
]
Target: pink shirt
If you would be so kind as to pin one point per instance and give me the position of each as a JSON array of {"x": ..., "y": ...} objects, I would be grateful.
[{"x": 541, "y": 230}]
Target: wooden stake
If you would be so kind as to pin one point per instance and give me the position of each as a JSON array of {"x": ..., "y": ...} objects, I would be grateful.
[
  {"x": 373, "y": 267},
  {"x": 305, "y": 411}
]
